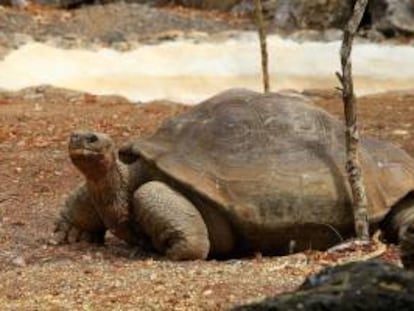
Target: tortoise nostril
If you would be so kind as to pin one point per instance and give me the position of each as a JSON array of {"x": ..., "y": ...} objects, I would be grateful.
[{"x": 74, "y": 137}]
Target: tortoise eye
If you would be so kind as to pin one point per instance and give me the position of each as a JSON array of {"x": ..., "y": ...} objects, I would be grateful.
[{"x": 92, "y": 138}]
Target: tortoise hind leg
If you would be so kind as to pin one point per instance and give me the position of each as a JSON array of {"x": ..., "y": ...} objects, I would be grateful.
[
  {"x": 173, "y": 223},
  {"x": 407, "y": 246},
  {"x": 398, "y": 227}
]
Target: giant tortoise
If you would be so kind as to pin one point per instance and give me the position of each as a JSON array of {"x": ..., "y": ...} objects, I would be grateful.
[{"x": 241, "y": 172}]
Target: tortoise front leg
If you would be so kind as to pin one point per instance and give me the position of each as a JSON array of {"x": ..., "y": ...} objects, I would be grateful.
[
  {"x": 78, "y": 220},
  {"x": 398, "y": 227},
  {"x": 172, "y": 222}
]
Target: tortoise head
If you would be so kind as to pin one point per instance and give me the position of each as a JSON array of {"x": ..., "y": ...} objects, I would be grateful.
[{"x": 92, "y": 153}]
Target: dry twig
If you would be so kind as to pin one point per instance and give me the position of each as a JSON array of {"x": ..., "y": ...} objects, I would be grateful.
[
  {"x": 263, "y": 45},
  {"x": 353, "y": 166}
]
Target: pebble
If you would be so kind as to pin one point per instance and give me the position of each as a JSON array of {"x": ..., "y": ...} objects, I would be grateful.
[
  {"x": 207, "y": 292},
  {"x": 33, "y": 96},
  {"x": 19, "y": 262},
  {"x": 87, "y": 257},
  {"x": 400, "y": 132}
]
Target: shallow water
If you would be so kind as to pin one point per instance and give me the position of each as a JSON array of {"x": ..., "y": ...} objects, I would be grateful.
[{"x": 189, "y": 71}]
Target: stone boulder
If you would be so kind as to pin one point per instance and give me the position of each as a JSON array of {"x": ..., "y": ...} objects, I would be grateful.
[
  {"x": 222, "y": 5},
  {"x": 14, "y": 3},
  {"x": 364, "y": 286},
  {"x": 392, "y": 17},
  {"x": 315, "y": 14}
]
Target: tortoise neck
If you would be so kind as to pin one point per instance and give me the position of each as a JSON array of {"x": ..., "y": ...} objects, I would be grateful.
[
  {"x": 95, "y": 168},
  {"x": 111, "y": 196},
  {"x": 119, "y": 177},
  {"x": 108, "y": 179},
  {"x": 136, "y": 175}
]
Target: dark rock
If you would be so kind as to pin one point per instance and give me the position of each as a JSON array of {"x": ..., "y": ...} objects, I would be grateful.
[
  {"x": 149, "y": 2},
  {"x": 14, "y": 3},
  {"x": 364, "y": 286},
  {"x": 112, "y": 37},
  {"x": 316, "y": 14},
  {"x": 223, "y": 5},
  {"x": 392, "y": 17},
  {"x": 64, "y": 4}
]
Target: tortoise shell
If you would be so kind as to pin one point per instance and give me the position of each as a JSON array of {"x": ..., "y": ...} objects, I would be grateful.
[{"x": 273, "y": 161}]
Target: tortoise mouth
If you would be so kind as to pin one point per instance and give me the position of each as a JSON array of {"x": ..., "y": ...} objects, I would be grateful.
[
  {"x": 93, "y": 164},
  {"x": 85, "y": 153}
]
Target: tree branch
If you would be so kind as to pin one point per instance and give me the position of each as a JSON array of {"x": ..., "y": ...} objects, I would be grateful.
[
  {"x": 353, "y": 166},
  {"x": 263, "y": 45}
]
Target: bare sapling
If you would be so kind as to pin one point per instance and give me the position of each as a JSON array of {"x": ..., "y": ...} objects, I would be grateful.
[
  {"x": 263, "y": 45},
  {"x": 353, "y": 164}
]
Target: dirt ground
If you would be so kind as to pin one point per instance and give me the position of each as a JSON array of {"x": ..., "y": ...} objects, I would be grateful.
[{"x": 35, "y": 174}]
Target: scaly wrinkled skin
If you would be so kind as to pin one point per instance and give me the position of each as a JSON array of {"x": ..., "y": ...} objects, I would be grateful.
[
  {"x": 398, "y": 227},
  {"x": 103, "y": 201},
  {"x": 111, "y": 199},
  {"x": 78, "y": 221}
]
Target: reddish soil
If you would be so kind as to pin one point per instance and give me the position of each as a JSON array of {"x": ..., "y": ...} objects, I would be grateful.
[{"x": 35, "y": 174}]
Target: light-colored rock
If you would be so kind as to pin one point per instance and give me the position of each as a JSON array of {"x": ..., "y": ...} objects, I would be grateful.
[
  {"x": 19, "y": 3},
  {"x": 19, "y": 262}
]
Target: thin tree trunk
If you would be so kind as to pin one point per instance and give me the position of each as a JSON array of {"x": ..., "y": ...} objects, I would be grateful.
[
  {"x": 263, "y": 45},
  {"x": 353, "y": 165}
]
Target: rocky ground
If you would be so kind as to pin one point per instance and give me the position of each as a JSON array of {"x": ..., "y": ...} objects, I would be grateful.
[
  {"x": 35, "y": 174},
  {"x": 123, "y": 26},
  {"x": 119, "y": 25}
]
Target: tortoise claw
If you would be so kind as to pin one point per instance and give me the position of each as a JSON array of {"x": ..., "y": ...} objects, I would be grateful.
[
  {"x": 67, "y": 233},
  {"x": 60, "y": 232},
  {"x": 74, "y": 235}
]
